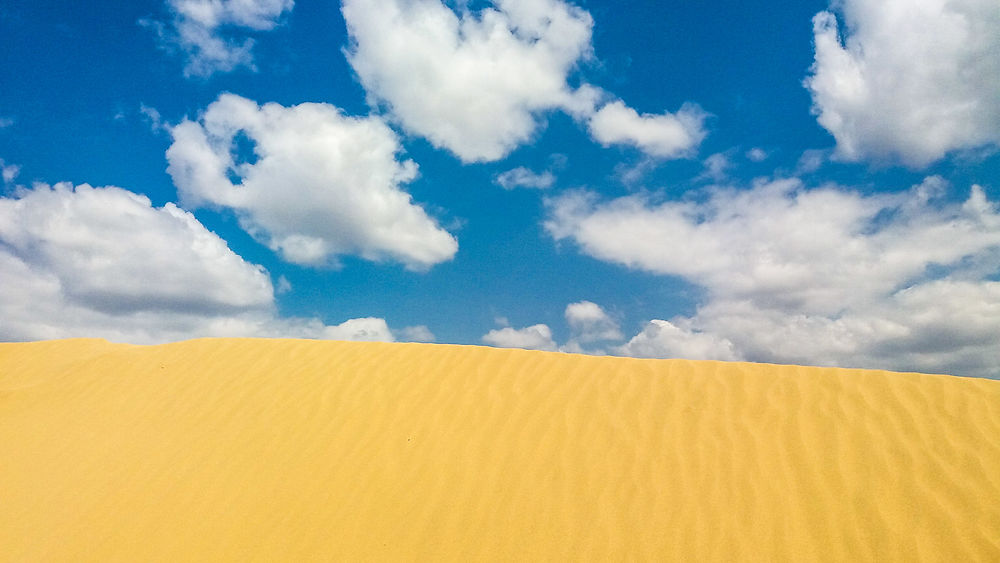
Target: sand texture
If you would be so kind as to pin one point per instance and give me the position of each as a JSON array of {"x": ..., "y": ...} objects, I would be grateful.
[{"x": 285, "y": 450}]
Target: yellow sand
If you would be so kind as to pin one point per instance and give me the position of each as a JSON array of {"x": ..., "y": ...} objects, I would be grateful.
[{"x": 283, "y": 450}]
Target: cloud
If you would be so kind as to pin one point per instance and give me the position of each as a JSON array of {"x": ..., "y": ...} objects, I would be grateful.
[
  {"x": 212, "y": 34},
  {"x": 910, "y": 81},
  {"x": 522, "y": 177},
  {"x": 666, "y": 135},
  {"x": 154, "y": 119},
  {"x": 822, "y": 276},
  {"x": 475, "y": 82},
  {"x": 6, "y": 122},
  {"x": 317, "y": 185},
  {"x": 590, "y": 327},
  {"x": 812, "y": 160},
  {"x": 367, "y": 329},
  {"x": 663, "y": 339},
  {"x": 536, "y": 337},
  {"x": 716, "y": 167},
  {"x": 103, "y": 262},
  {"x": 590, "y": 323},
  {"x": 470, "y": 82},
  {"x": 419, "y": 333},
  {"x": 8, "y": 171},
  {"x": 757, "y": 154}
]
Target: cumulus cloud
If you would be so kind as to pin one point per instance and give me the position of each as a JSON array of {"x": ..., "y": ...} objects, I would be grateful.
[
  {"x": 103, "y": 262},
  {"x": 212, "y": 34},
  {"x": 910, "y": 81},
  {"x": 666, "y": 135},
  {"x": 318, "y": 184},
  {"x": 470, "y": 82},
  {"x": 366, "y": 329},
  {"x": 590, "y": 323},
  {"x": 821, "y": 276},
  {"x": 536, "y": 337},
  {"x": 663, "y": 339},
  {"x": 591, "y": 328},
  {"x": 522, "y": 177},
  {"x": 419, "y": 333}
]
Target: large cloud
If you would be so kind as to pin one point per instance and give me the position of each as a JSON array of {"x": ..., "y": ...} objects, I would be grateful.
[
  {"x": 912, "y": 81},
  {"x": 212, "y": 33},
  {"x": 820, "y": 275},
  {"x": 318, "y": 185},
  {"x": 470, "y": 83},
  {"x": 85, "y": 261}
]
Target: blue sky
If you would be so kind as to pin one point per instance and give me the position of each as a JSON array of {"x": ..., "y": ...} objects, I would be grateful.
[{"x": 722, "y": 180}]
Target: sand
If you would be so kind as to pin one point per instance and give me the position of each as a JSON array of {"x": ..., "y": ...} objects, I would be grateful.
[{"x": 284, "y": 450}]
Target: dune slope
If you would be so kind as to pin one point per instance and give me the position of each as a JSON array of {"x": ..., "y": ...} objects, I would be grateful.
[{"x": 271, "y": 450}]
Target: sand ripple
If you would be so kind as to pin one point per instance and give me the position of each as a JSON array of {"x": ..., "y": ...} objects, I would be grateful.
[{"x": 283, "y": 450}]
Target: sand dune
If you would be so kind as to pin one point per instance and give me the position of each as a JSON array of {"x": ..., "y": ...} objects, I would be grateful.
[{"x": 283, "y": 450}]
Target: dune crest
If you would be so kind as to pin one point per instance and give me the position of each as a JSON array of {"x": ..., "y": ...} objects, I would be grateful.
[{"x": 286, "y": 450}]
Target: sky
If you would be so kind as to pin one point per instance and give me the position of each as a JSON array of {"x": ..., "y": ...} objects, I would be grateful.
[{"x": 811, "y": 183}]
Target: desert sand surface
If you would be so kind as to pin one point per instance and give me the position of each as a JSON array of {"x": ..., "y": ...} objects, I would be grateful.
[{"x": 286, "y": 450}]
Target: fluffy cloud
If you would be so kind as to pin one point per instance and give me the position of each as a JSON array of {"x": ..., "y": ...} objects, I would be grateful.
[
  {"x": 318, "y": 185},
  {"x": 419, "y": 333},
  {"x": 469, "y": 82},
  {"x": 663, "y": 339},
  {"x": 590, "y": 326},
  {"x": 212, "y": 33},
  {"x": 821, "y": 276},
  {"x": 367, "y": 329},
  {"x": 666, "y": 135},
  {"x": 475, "y": 82},
  {"x": 536, "y": 337},
  {"x": 85, "y": 261},
  {"x": 522, "y": 177},
  {"x": 912, "y": 81},
  {"x": 589, "y": 323}
]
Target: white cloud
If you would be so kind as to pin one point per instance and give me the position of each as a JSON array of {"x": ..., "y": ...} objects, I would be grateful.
[
  {"x": 154, "y": 119},
  {"x": 536, "y": 337},
  {"x": 716, "y": 167},
  {"x": 757, "y": 154},
  {"x": 367, "y": 329},
  {"x": 663, "y": 339},
  {"x": 666, "y": 135},
  {"x": 590, "y": 328},
  {"x": 476, "y": 81},
  {"x": 6, "y": 122},
  {"x": 821, "y": 275},
  {"x": 812, "y": 160},
  {"x": 419, "y": 333},
  {"x": 103, "y": 262},
  {"x": 911, "y": 81},
  {"x": 8, "y": 171},
  {"x": 470, "y": 82},
  {"x": 590, "y": 323},
  {"x": 212, "y": 34},
  {"x": 318, "y": 185},
  {"x": 522, "y": 177}
]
